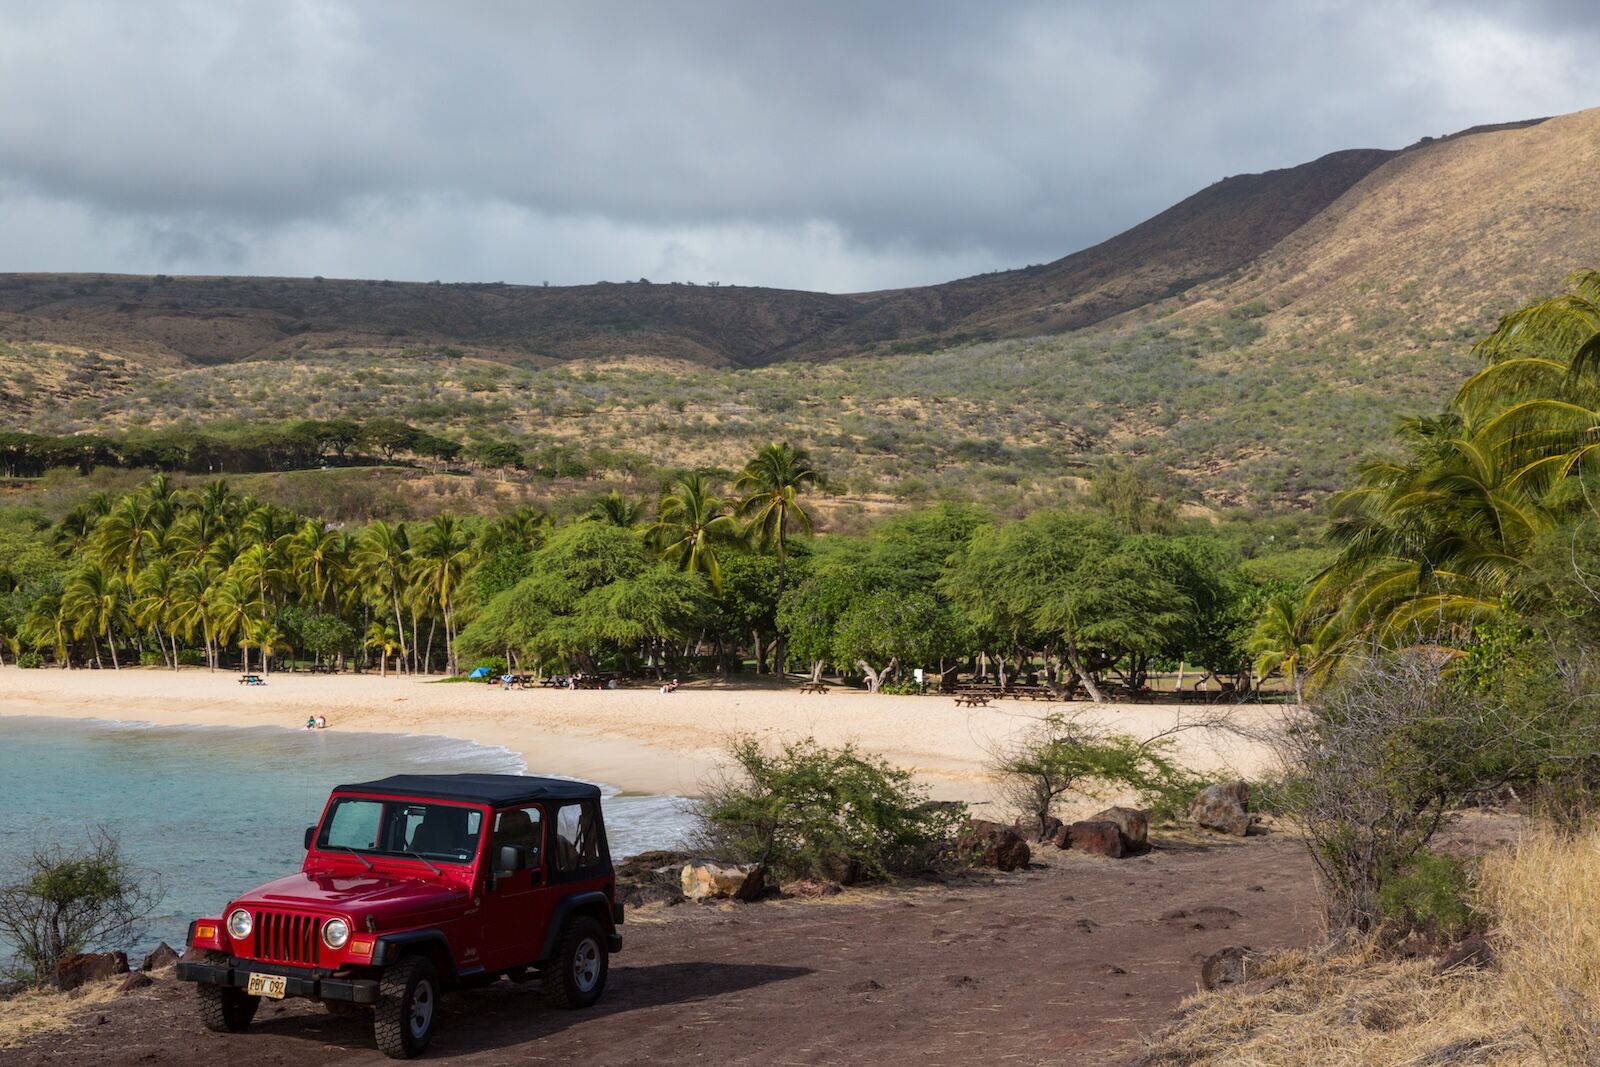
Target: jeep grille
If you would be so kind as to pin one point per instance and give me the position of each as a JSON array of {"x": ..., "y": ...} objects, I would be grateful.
[{"x": 287, "y": 938}]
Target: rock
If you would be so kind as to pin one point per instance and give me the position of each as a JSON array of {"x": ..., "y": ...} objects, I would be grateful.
[
  {"x": 991, "y": 844},
  {"x": 646, "y": 866},
  {"x": 709, "y": 881},
  {"x": 1475, "y": 952},
  {"x": 163, "y": 956},
  {"x": 846, "y": 870},
  {"x": 73, "y": 971},
  {"x": 136, "y": 980},
  {"x": 1095, "y": 838},
  {"x": 1210, "y": 917},
  {"x": 11, "y": 989},
  {"x": 195, "y": 955},
  {"x": 641, "y": 894},
  {"x": 1224, "y": 807},
  {"x": 812, "y": 889},
  {"x": 1134, "y": 824},
  {"x": 1029, "y": 829},
  {"x": 1228, "y": 967},
  {"x": 867, "y": 986},
  {"x": 1062, "y": 838}
]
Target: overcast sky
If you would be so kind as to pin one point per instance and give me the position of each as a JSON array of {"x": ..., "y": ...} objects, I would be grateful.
[{"x": 840, "y": 146}]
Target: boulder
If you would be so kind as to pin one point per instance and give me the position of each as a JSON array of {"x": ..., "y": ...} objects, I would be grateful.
[
  {"x": 136, "y": 980},
  {"x": 992, "y": 844},
  {"x": 1228, "y": 967},
  {"x": 163, "y": 956},
  {"x": 846, "y": 870},
  {"x": 640, "y": 894},
  {"x": 1029, "y": 829},
  {"x": 1224, "y": 807},
  {"x": 1134, "y": 824},
  {"x": 79, "y": 968},
  {"x": 812, "y": 889},
  {"x": 646, "y": 866},
  {"x": 709, "y": 881},
  {"x": 1098, "y": 838}
]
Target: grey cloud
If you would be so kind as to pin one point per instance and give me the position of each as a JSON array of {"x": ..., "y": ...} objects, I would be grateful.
[{"x": 838, "y": 145}]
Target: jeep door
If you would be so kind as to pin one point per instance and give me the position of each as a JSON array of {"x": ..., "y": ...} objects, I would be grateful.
[{"x": 515, "y": 911}]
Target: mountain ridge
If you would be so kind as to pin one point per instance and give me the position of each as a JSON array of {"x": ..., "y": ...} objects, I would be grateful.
[{"x": 218, "y": 319}]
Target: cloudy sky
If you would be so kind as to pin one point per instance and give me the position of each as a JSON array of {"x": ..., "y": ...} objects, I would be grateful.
[{"x": 841, "y": 146}]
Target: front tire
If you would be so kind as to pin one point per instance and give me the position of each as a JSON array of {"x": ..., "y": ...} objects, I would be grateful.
[
  {"x": 576, "y": 976},
  {"x": 408, "y": 1004},
  {"x": 226, "y": 1010}
]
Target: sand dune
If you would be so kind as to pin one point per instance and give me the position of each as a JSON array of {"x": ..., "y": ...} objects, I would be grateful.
[{"x": 638, "y": 739}]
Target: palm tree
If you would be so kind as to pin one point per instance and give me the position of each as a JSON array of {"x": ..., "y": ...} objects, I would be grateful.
[
  {"x": 192, "y": 609},
  {"x": 381, "y": 638},
  {"x": 93, "y": 600},
  {"x": 615, "y": 510},
  {"x": 690, "y": 523},
  {"x": 440, "y": 559},
  {"x": 155, "y": 593},
  {"x": 236, "y": 607},
  {"x": 382, "y": 557},
  {"x": 1282, "y": 640},
  {"x": 48, "y": 625},
  {"x": 772, "y": 483},
  {"x": 316, "y": 557},
  {"x": 123, "y": 536}
]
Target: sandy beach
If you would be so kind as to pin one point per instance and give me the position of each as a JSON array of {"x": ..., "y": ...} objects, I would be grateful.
[{"x": 637, "y": 739}]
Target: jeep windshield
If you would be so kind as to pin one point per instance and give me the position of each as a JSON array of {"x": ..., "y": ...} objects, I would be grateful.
[{"x": 405, "y": 829}]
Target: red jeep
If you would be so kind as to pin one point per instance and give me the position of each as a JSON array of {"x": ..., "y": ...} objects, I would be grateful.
[{"x": 414, "y": 884}]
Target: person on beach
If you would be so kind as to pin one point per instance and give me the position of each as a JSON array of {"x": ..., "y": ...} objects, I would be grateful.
[
  {"x": 322, "y": 722},
  {"x": 311, "y": 722}
]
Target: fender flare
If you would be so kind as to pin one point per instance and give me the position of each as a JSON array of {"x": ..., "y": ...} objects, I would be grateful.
[
  {"x": 388, "y": 948},
  {"x": 593, "y": 900}
]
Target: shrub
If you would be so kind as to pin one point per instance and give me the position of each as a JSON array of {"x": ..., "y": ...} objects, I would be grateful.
[
  {"x": 1433, "y": 896},
  {"x": 63, "y": 902},
  {"x": 30, "y": 660},
  {"x": 152, "y": 658},
  {"x": 191, "y": 657},
  {"x": 1065, "y": 755},
  {"x": 496, "y": 666},
  {"x": 804, "y": 806}
]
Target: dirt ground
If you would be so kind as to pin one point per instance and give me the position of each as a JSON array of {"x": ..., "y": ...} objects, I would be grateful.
[{"x": 1064, "y": 963}]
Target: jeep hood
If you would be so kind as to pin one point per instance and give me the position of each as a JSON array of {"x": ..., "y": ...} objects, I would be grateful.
[{"x": 377, "y": 893}]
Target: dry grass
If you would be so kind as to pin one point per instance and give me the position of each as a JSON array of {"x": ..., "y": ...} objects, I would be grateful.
[
  {"x": 26, "y": 1016},
  {"x": 1539, "y": 1006}
]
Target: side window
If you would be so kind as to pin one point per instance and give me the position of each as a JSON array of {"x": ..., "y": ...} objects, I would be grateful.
[
  {"x": 577, "y": 841},
  {"x": 519, "y": 826}
]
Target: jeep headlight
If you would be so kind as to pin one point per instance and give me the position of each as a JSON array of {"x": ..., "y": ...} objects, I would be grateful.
[
  {"x": 239, "y": 923},
  {"x": 336, "y": 933}
]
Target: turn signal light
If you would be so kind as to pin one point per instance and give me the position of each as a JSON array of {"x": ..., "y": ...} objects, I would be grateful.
[
  {"x": 361, "y": 946},
  {"x": 205, "y": 932}
]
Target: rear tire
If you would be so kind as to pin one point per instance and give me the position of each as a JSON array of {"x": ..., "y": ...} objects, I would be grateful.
[
  {"x": 576, "y": 975},
  {"x": 226, "y": 1010},
  {"x": 408, "y": 1005}
]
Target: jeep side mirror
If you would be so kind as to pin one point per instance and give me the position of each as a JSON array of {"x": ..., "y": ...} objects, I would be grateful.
[
  {"x": 311, "y": 835},
  {"x": 510, "y": 858}
]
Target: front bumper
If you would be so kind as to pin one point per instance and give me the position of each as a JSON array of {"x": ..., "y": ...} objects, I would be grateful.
[{"x": 306, "y": 982}]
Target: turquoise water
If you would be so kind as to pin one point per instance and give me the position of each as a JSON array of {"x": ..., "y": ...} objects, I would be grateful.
[{"x": 215, "y": 811}]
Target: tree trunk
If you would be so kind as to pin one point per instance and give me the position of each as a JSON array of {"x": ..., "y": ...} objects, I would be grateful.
[
  {"x": 1077, "y": 668},
  {"x": 816, "y": 671},
  {"x": 758, "y": 649},
  {"x": 871, "y": 675},
  {"x": 427, "y": 657}
]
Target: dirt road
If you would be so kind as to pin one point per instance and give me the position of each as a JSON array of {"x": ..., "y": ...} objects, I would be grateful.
[{"x": 1063, "y": 963}]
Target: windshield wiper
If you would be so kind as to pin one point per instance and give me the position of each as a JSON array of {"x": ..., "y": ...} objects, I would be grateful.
[
  {"x": 346, "y": 848},
  {"x": 415, "y": 855}
]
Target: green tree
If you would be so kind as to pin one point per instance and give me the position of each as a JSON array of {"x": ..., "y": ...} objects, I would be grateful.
[{"x": 772, "y": 483}]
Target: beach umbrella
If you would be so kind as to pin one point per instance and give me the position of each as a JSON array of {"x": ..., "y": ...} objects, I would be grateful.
[{"x": 479, "y": 672}]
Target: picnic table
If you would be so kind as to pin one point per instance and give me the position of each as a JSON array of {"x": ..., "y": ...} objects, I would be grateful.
[
  {"x": 972, "y": 700},
  {"x": 813, "y": 687},
  {"x": 252, "y": 679}
]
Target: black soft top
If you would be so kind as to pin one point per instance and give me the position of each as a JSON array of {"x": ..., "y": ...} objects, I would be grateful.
[{"x": 481, "y": 788}]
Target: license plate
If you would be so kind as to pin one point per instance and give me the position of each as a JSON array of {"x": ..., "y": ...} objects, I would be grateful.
[{"x": 267, "y": 985}]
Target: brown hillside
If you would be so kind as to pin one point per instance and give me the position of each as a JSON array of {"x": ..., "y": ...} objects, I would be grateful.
[
  {"x": 216, "y": 320},
  {"x": 1436, "y": 240}
]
